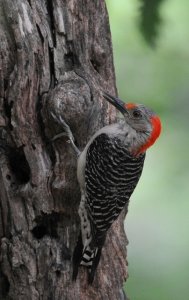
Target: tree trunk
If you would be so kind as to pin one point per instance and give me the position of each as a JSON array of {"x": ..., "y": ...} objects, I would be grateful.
[{"x": 55, "y": 57}]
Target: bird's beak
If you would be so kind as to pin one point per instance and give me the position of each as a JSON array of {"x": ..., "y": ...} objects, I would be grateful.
[{"x": 119, "y": 104}]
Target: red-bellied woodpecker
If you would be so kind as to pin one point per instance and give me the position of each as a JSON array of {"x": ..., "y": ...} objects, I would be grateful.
[{"x": 108, "y": 171}]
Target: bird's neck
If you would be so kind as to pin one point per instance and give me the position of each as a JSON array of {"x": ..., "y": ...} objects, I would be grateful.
[
  {"x": 137, "y": 141},
  {"x": 134, "y": 141}
]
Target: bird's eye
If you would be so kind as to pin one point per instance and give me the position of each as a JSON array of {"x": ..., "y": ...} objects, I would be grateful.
[{"x": 137, "y": 114}]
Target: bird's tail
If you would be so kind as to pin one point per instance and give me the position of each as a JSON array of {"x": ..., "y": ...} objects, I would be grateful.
[{"x": 86, "y": 257}]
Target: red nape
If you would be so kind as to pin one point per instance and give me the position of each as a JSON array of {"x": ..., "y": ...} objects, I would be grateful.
[{"x": 156, "y": 130}]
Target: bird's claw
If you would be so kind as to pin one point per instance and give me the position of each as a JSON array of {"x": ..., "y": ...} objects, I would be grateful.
[{"x": 67, "y": 132}]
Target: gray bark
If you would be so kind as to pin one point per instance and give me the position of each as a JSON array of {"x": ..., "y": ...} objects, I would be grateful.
[{"x": 55, "y": 56}]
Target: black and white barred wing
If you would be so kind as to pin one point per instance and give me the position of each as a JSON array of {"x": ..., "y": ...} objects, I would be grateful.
[{"x": 111, "y": 176}]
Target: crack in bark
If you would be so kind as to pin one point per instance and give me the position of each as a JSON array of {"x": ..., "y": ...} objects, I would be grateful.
[
  {"x": 4, "y": 285},
  {"x": 50, "y": 10},
  {"x": 29, "y": 2},
  {"x": 7, "y": 109},
  {"x": 2, "y": 221},
  {"x": 40, "y": 33},
  {"x": 52, "y": 68}
]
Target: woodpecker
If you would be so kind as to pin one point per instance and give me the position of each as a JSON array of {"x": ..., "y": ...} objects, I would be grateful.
[{"x": 108, "y": 171}]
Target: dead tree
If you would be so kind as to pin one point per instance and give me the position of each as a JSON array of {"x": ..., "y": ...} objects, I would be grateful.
[{"x": 55, "y": 56}]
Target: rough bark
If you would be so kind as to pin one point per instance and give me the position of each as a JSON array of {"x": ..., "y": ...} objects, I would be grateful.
[{"x": 55, "y": 56}]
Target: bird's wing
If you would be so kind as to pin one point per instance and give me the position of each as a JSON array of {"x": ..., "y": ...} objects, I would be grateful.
[{"x": 111, "y": 175}]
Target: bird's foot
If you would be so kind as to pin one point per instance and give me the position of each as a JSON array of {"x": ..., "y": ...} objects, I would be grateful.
[{"x": 67, "y": 132}]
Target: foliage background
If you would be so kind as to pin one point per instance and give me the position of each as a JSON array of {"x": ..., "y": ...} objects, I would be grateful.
[{"x": 157, "y": 223}]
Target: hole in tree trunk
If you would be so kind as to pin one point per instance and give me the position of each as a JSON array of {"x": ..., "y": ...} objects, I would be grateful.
[
  {"x": 46, "y": 225},
  {"x": 19, "y": 165},
  {"x": 50, "y": 225},
  {"x": 8, "y": 177},
  {"x": 58, "y": 273},
  {"x": 39, "y": 231}
]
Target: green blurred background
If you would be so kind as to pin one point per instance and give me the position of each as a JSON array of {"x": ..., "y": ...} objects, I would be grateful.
[{"x": 158, "y": 219}]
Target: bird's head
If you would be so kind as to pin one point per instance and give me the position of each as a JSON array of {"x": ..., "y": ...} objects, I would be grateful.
[{"x": 140, "y": 118}]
